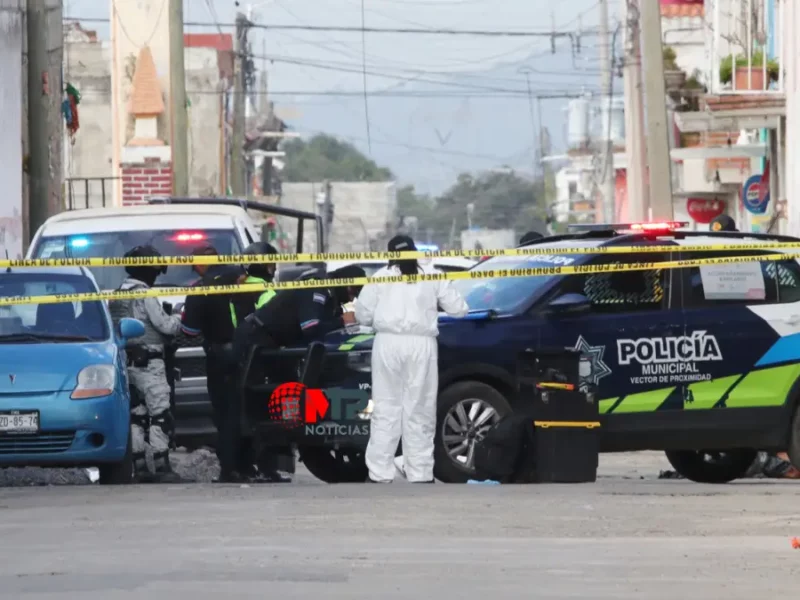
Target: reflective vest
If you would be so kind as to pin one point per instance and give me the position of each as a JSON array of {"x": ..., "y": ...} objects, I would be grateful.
[{"x": 260, "y": 301}]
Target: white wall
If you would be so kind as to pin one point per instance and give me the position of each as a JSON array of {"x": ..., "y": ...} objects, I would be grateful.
[{"x": 11, "y": 127}]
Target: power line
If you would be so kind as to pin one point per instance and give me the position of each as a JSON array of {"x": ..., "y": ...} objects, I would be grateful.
[
  {"x": 556, "y": 95},
  {"x": 392, "y": 30},
  {"x": 355, "y": 70}
]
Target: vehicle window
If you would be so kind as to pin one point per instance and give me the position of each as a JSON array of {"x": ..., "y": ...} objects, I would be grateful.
[
  {"x": 63, "y": 319},
  {"x": 116, "y": 244},
  {"x": 738, "y": 283},
  {"x": 787, "y": 273},
  {"x": 621, "y": 291},
  {"x": 505, "y": 294}
]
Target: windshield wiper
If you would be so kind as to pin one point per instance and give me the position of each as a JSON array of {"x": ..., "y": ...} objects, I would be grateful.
[{"x": 42, "y": 337}]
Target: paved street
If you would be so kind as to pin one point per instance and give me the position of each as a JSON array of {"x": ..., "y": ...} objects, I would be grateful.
[{"x": 628, "y": 536}]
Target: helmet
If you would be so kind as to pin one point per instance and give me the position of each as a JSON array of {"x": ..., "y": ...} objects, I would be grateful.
[
  {"x": 261, "y": 270},
  {"x": 723, "y": 223},
  {"x": 145, "y": 273}
]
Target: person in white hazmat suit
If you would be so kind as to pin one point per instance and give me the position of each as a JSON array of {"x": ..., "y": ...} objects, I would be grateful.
[
  {"x": 151, "y": 416},
  {"x": 405, "y": 365}
]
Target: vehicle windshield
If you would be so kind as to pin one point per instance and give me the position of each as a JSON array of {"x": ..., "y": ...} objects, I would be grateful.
[
  {"x": 116, "y": 244},
  {"x": 66, "y": 321},
  {"x": 506, "y": 294}
]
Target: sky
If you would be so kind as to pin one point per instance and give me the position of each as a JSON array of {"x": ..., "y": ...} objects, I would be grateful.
[{"x": 459, "y": 103}]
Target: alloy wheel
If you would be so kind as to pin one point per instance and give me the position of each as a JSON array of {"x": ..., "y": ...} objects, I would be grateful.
[{"x": 464, "y": 426}]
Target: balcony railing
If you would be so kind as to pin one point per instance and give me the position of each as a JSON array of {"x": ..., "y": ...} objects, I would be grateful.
[
  {"x": 89, "y": 192},
  {"x": 746, "y": 47}
]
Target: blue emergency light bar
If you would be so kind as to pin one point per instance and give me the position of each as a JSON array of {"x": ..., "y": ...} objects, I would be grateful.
[
  {"x": 427, "y": 247},
  {"x": 79, "y": 242},
  {"x": 473, "y": 315}
]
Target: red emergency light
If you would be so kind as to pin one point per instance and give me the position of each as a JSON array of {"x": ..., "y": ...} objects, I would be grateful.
[
  {"x": 664, "y": 226},
  {"x": 189, "y": 237}
]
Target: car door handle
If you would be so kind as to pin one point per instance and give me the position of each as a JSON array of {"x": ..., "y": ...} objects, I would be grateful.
[{"x": 792, "y": 320}]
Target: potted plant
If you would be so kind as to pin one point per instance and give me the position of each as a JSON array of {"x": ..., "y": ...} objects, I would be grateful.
[
  {"x": 673, "y": 76},
  {"x": 749, "y": 74}
]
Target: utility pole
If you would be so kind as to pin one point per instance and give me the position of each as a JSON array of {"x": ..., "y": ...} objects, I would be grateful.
[
  {"x": 45, "y": 121},
  {"x": 660, "y": 179},
  {"x": 606, "y": 175},
  {"x": 635, "y": 144},
  {"x": 179, "y": 118},
  {"x": 238, "y": 169}
]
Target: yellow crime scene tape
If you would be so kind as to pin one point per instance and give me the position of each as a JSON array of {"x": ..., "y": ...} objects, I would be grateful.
[
  {"x": 359, "y": 281},
  {"x": 246, "y": 259}
]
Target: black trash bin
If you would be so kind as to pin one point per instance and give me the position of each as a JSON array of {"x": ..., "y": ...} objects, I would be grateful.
[{"x": 566, "y": 419}]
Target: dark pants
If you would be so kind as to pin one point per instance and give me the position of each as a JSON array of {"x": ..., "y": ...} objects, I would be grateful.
[
  {"x": 248, "y": 335},
  {"x": 234, "y": 452}
]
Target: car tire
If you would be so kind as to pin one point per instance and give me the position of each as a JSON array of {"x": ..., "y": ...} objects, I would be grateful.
[
  {"x": 445, "y": 468},
  {"x": 794, "y": 441},
  {"x": 120, "y": 473},
  {"x": 728, "y": 465},
  {"x": 345, "y": 465}
]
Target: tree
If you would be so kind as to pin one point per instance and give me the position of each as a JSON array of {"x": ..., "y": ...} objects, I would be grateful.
[
  {"x": 325, "y": 157},
  {"x": 499, "y": 200}
]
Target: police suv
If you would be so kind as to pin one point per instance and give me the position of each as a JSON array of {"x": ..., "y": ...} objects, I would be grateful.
[{"x": 701, "y": 362}]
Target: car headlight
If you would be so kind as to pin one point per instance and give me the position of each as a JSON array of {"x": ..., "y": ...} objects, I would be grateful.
[
  {"x": 360, "y": 361},
  {"x": 95, "y": 381}
]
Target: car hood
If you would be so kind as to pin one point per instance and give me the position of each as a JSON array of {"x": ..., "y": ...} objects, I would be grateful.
[
  {"x": 359, "y": 338},
  {"x": 45, "y": 368}
]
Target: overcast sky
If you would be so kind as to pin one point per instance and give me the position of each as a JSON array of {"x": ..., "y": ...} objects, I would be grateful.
[{"x": 425, "y": 141}]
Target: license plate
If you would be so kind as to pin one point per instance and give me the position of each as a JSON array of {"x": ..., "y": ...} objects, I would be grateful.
[{"x": 17, "y": 421}]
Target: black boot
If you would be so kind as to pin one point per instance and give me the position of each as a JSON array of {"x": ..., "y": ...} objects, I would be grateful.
[
  {"x": 232, "y": 477},
  {"x": 141, "y": 474},
  {"x": 164, "y": 472}
]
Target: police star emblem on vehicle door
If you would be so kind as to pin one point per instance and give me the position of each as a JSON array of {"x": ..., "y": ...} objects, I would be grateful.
[{"x": 593, "y": 355}]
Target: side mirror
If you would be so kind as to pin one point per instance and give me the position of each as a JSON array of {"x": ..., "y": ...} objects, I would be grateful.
[
  {"x": 130, "y": 329},
  {"x": 570, "y": 304}
]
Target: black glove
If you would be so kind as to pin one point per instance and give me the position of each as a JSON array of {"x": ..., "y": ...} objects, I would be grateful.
[{"x": 167, "y": 307}]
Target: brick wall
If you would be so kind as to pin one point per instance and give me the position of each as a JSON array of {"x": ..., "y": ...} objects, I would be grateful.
[{"x": 141, "y": 181}]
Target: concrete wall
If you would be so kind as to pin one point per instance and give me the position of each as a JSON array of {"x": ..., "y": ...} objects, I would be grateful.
[
  {"x": 11, "y": 205},
  {"x": 363, "y": 212},
  {"x": 205, "y": 121},
  {"x": 88, "y": 67}
]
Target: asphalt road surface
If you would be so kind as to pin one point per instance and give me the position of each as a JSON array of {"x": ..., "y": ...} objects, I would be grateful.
[{"x": 629, "y": 535}]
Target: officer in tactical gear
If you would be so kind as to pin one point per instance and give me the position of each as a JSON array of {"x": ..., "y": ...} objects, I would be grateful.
[
  {"x": 208, "y": 317},
  {"x": 253, "y": 466},
  {"x": 244, "y": 304},
  {"x": 151, "y": 417},
  {"x": 723, "y": 223}
]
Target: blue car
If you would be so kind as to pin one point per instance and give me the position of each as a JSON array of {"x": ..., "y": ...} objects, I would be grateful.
[{"x": 64, "y": 399}]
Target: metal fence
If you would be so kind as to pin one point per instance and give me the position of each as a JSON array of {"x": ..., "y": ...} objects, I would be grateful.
[{"x": 89, "y": 192}]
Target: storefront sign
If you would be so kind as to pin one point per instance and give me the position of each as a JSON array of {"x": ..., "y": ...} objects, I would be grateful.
[
  {"x": 755, "y": 195},
  {"x": 705, "y": 210}
]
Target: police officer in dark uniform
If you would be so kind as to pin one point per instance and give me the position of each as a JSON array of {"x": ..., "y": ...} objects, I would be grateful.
[
  {"x": 723, "y": 223},
  {"x": 261, "y": 467},
  {"x": 298, "y": 316},
  {"x": 246, "y": 303},
  {"x": 210, "y": 316}
]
